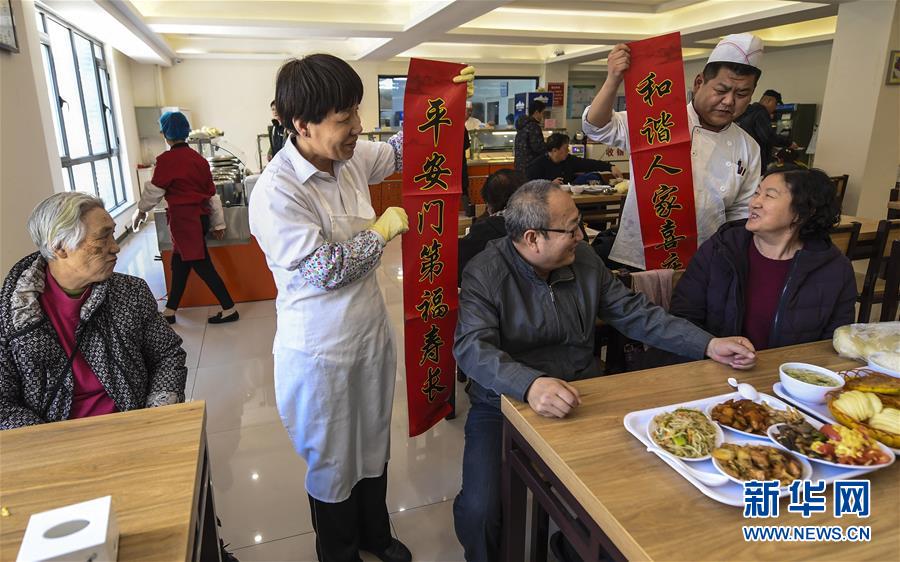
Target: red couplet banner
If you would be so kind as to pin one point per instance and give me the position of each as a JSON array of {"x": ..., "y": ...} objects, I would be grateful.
[
  {"x": 660, "y": 138},
  {"x": 433, "y": 129}
]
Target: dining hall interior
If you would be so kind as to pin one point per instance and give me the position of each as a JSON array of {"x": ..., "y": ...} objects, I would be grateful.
[{"x": 84, "y": 85}]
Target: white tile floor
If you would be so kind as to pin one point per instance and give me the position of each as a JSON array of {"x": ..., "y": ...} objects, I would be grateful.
[{"x": 257, "y": 476}]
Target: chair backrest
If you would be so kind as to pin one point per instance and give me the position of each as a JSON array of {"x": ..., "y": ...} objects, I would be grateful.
[
  {"x": 889, "y": 305},
  {"x": 845, "y": 236},
  {"x": 888, "y": 232},
  {"x": 895, "y": 198},
  {"x": 603, "y": 215},
  {"x": 840, "y": 184}
]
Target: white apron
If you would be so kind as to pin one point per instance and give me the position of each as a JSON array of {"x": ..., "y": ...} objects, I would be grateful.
[{"x": 335, "y": 387}]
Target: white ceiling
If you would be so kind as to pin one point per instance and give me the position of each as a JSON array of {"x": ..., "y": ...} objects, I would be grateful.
[{"x": 486, "y": 31}]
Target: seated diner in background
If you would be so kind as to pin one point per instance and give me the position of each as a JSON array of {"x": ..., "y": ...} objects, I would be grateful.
[{"x": 558, "y": 166}]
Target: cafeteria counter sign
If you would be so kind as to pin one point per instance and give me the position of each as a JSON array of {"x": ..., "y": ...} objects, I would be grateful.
[
  {"x": 660, "y": 139},
  {"x": 433, "y": 134}
]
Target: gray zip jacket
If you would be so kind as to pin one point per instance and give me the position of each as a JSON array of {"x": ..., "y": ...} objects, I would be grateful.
[{"x": 514, "y": 327}]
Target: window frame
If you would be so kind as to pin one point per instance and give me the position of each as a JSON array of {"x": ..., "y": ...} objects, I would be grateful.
[{"x": 112, "y": 155}]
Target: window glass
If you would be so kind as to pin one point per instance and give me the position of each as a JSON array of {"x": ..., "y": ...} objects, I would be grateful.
[
  {"x": 67, "y": 82},
  {"x": 84, "y": 178},
  {"x": 93, "y": 109}
]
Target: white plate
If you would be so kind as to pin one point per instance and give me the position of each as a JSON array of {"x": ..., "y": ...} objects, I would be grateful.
[
  {"x": 806, "y": 468},
  {"x": 773, "y": 402},
  {"x": 875, "y": 366},
  {"x": 720, "y": 437},
  {"x": 773, "y": 429},
  {"x": 818, "y": 411},
  {"x": 729, "y": 494}
]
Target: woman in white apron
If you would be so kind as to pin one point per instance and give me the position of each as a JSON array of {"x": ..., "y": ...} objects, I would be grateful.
[{"x": 335, "y": 361}]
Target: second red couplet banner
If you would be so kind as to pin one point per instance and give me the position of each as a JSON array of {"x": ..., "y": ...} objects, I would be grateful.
[
  {"x": 659, "y": 135},
  {"x": 433, "y": 129}
]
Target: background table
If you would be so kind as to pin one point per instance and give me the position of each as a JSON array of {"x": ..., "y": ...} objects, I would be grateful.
[
  {"x": 631, "y": 501},
  {"x": 152, "y": 462}
]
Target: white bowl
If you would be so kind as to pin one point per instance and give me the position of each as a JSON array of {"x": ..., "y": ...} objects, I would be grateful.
[
  {"x": 877, "y": 363},
  {"x": 565, "y": 187},
  {"x": 577, "y": 189},
  {"x": 720, "y": 438},
  {"x": 804, "y": 391},
  {"x": 805, "y": 467}
]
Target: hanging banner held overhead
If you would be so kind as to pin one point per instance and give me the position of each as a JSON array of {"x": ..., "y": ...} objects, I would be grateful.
[
  {"x": 433, "y": 129},
  {"x": 660, "y": 139}
]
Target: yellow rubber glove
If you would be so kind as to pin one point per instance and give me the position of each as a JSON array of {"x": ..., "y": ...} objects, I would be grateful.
[
  {"x": 466, "y": 75},
  {"x": 391, "y": 223}
]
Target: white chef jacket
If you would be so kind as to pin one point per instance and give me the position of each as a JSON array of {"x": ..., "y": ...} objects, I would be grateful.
[{"x": 721, "y": 194}]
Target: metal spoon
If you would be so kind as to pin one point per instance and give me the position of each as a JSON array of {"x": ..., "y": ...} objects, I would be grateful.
[
  {"x": 747, "y": 391},
  {"x": 676, "y": 463}
]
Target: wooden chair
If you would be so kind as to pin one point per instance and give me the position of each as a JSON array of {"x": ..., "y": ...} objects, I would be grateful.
[
  {"x": 603, "y": 216},
  {"x": 840, "y": 184},
  {"x": 845, "y": 236},
  {"x": 872, "y": 286},
  {"x": 895, "y": 197},
  {"x": 891, "y": 285}
]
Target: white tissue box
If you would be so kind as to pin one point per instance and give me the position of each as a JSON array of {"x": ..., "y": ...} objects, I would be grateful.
[{"x": 85, "y": 531}]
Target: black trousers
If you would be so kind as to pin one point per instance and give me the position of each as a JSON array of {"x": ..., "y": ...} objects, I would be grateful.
[
  {"x": 204, "y": 268},
  {"x": 360, "y": 522}
]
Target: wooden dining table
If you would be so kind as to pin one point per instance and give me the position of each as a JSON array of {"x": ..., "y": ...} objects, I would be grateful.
[
  {"x": 152, "y": 462},
  {"x": 605, "y": 490}
]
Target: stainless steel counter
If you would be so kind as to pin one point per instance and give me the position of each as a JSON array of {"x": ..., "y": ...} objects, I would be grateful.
[{"x": 237, "y": 228}]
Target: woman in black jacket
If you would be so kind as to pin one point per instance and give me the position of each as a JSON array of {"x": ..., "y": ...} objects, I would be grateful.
[{"x": 775, "y": 277}]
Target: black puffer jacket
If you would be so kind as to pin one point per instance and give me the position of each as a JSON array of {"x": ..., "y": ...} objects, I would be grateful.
[
  {"x": 529, "y": 143},
  {"x": 819, "y": 294},
  {"x": 130, "y": 347}
]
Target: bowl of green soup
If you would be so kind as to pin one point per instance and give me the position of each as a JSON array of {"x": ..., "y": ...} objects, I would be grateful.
[{"x": 809, "y": 383}]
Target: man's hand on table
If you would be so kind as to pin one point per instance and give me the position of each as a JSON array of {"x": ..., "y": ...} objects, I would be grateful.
[
  {"x": 737, "y": 352},
  {"x": 552, "y": 398}
]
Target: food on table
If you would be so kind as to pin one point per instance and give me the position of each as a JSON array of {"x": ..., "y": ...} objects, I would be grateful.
[
  {"x": 873, "y": 382},
  {"x": 685, "y": 433},
  {"x": 757, "y": 462},
  {"x": 859, "y": 341},
  {"x": 869, "y": 411},
  {"x": 811, "y": 377},
  {"x": 832, "y": 443},
  {"x": 749, "y": 416},
  {"x": 887, "y": 359}
]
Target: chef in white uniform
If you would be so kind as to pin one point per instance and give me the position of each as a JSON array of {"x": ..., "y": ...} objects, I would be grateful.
[
  {"x": 335, "y": 361},
  {"x": 724, "y": 158}
]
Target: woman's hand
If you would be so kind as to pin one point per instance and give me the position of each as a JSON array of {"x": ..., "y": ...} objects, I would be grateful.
[
  {"x": 391, "y": 223},
  {"x": 737, "y": 352},
  {"x": 219, "y": 234},
  {"x": 466, "y": 75}
]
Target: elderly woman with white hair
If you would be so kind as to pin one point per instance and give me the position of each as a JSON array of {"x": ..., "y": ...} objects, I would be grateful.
[{"x": 77, "y": 339}]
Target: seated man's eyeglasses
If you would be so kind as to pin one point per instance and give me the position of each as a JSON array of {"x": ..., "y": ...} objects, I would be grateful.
[{"x": 571, "y": 232}]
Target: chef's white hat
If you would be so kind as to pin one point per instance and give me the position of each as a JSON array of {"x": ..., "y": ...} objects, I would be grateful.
[{"x": 742, "y": 48}]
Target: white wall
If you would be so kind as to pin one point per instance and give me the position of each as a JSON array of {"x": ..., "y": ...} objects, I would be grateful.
[
  {"x": 234, "y": 95},
  {"x": 29, "y": 159}
]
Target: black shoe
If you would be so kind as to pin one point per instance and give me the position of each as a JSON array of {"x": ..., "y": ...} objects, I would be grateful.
[
  {"x": 169, "y": 318},
  {"x": 219, "y": 319},
  {"x": 395, "y": 552}
]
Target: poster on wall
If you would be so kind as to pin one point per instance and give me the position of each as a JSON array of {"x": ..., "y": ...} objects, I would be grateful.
[
  {"x": 8, "y": 40},
  {"x": 558, "y": 89},
  {"x": 660, "y": 140},
  {"x": 433, "y": 133},
  {"x": 579, "y": 98}
]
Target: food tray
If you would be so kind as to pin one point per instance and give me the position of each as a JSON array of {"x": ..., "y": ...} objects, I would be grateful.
[
  {"x": 730, "y": 493},
  {"x": 819, "y": 411}
]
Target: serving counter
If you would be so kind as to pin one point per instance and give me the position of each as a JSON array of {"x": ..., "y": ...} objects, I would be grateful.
[{"x": 237, "y": 257}]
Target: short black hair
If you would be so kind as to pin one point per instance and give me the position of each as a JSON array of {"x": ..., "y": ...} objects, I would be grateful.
[
  {"x": 556, "y": 141},
  {"x": 536, "y": 106},
  {"x": 813, "y": 199},
  {"x": 711, "y": 70},
  {"x": 272, "y": 104},
  {"x": 773, "y": 94},
  {"x": 499, "y": 187},
  {"x": 309, "y": 88}
]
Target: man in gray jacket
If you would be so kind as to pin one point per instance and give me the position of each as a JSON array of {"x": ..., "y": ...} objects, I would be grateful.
[{"x": 526, "y": 329}]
